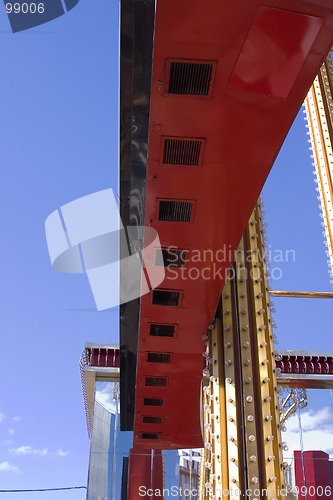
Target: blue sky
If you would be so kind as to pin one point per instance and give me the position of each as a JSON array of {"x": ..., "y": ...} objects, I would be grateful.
[{"x": 59, "y": 141}]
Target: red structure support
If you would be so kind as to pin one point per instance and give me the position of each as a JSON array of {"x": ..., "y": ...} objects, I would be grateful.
[
  {"x": 312, "y": 475},
  {"x": 228, "y": 79},
  {"x": 146, "y": 474}
]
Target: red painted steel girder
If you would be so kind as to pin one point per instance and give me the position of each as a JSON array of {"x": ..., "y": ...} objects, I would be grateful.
[
  {"x": 253, "y": 65},
  {"x": 305, "y": 369},
  {"x": 145, "y": 474},
  {"x": 103, "y": 357}
]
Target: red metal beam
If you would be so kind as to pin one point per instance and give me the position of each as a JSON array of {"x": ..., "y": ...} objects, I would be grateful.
[
  {"x": 305, "y": 369},
  {"x": 263, "y": 60},
  {"x": 145, "y": 474},
  {"x": 102, "y": 356},
  {"x": 312, "y": 475}
]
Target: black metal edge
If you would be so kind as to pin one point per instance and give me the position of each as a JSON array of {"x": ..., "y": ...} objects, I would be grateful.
[{"x": 136, "y": 48}]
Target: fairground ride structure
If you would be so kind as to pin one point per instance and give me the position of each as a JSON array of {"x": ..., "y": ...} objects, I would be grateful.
[{"x": 209, "y": 91}]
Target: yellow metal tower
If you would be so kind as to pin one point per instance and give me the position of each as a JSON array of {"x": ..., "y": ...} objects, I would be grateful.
[
  {"x": 241, "y": 421},
  {"x": 240, "y": 406},
  {"x": 319, "y": 114}
]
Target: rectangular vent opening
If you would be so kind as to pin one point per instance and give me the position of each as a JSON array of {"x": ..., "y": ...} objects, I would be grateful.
[
  {"x": 175, "y": 211},
  {"x": 158, "y": 357},
  {"x": 156, "y": 381},
  {"x": 162, "y": 330},
  {"x": 191, "y": 78},
  {"x": 150, "y": 435},
  {"x": 152, "y": 402},
  {"x": 171, "y": 257},
  {"x": 182, "y": 152},
  {"x": 166, "y": 298},
  {"x": 152, "y": 420}
]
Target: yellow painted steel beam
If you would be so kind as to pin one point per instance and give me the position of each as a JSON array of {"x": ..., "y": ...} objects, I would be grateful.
[
  {"x": 241, "y": 408},
  {"x": 264, "y": 366},
  {"x": 319, "y": 115},
  {"x": 301, "y": 295}
]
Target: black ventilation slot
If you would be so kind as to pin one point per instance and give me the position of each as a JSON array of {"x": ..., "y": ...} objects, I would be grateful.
[
  {"x": 158, "y": 357},
  {"x": 190, "y": 78},
  {"x": 162, "y": 330},
  {"x": 156, "y": 381},
  {"x": 152, "y": 420},
  {"x": 166, "y": 298},
  {"x": 170, "y": 257},
  {"x": 182, "y": 152},
  {"x": 152, "y": 402},
  {"x": 150, "y": 435},
  {"x": 175, "y": 211}
]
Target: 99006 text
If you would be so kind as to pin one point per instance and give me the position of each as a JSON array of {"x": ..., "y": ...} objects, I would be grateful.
[
  {"x": 25, "y": 8},
  {"x": 311, "y": 491}
]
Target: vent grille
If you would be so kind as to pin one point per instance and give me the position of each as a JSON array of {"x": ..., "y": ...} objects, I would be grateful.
[
  {"x": 166, "y": 298},
  {"x": 152, "y": 402},
  {"x": 150, "y": 435},
  {"x": 152, "y": 420},
  {"x": 156, "y": 381},
  {"x": 158, "y": 357},
  {"x": 175, "y": 211},
  {"x": 170, "y": 257},
  {"x": 190, "y": 78},
  {"x": 182, "y": 152},
  {"x": 162, "y": 330}
]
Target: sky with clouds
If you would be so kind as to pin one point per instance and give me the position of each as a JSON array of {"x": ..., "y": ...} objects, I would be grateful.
[
  {"x": 59, "y": 130},
  {"x": 59, "y": 135}
]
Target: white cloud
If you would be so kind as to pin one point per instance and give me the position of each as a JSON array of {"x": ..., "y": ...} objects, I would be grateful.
[
  {"x": 17, "y": 419},
  {"x": 61, "y": 453},
  {"x": 11, "y": 431},
  {"x": 2, "y": 416},
  {"x": 104, "y": 395},
  {"x": 7, "y": 467},
  {"x": 317, "y": 432},
  {"x": 28, "y": 450}
]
